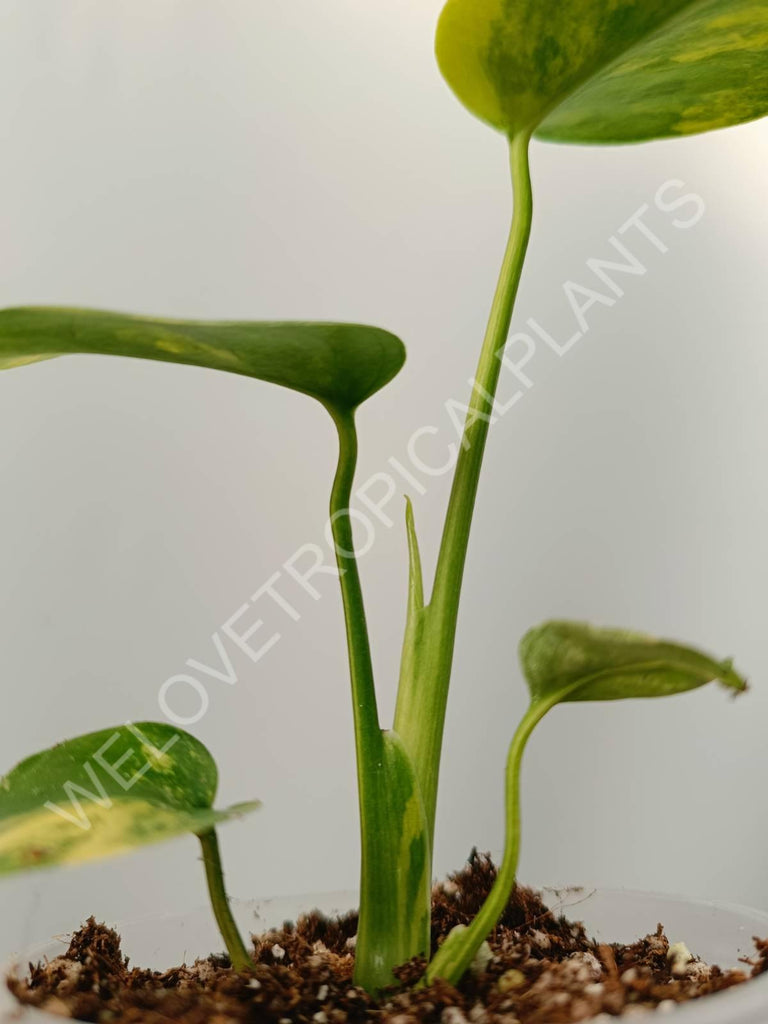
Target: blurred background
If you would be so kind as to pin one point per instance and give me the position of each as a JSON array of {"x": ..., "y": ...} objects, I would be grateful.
[{"x": 300, "y": 160}]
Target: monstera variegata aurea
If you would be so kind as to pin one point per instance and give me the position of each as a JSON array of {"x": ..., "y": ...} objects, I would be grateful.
[{"x": 578, "y": 71}]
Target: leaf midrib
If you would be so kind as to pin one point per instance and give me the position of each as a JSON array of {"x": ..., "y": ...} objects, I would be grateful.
[{"x": 635, "y": 668}]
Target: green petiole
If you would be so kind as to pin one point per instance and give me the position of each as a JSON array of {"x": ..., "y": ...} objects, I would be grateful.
[
  {"x": 214, "y": 874},
  {"x": 456, "y": 953},
  {"x": 431, "y": 633}
]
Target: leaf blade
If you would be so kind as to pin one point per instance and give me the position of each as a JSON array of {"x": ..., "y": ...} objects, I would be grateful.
[
  {"x": 607, "y": 71},
  {"x": 94, "y": 796},
  {"x": 651, "y": 95},
  {"x": 583, "y": 662},
  {"x": 339, "y": 364}
]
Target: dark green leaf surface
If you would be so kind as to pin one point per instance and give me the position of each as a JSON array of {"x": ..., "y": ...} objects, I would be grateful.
[
  {"x": 339, "y": 364},
  {"x": 607, "y": 70},
  {"x": 104, "y": 793},
  {"x": 582, "y": 662}
]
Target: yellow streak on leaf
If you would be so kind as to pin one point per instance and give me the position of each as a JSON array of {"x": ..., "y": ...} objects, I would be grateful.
[
  {"x": 43, "y": 837},
  {"x": 174, "y": 347},
  {"x": 11, "y": 362}
]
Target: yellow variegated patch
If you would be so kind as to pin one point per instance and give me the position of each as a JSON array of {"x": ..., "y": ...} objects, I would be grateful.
[
  {"x": 607, "y": 70},
  {"x": 106, "y": 793},
  {"x": 42, "y": 838},
  {"x": 395, "y": 902}
]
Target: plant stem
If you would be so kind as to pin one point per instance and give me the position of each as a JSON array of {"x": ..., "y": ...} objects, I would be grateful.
[
  {"x": 368, "y": 738},
  {"x": 423, "y": 693},
  {"x": 214, "y": 874},
  {"x": 458, "y": 950},
  {"x": 395, "y": 871}
]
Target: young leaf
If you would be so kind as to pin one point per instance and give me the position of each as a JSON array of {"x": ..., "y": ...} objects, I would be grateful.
[
  {"x": 607, "y": 70},
  {"x": 106, "y": 792},
  {"x": 338, "y": 364},
  {"x": 582, "y": 662},
  {"x": 567, "y": 661}
]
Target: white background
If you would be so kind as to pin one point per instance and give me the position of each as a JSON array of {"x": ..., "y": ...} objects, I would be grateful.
[{"x": 252, "y": 159}]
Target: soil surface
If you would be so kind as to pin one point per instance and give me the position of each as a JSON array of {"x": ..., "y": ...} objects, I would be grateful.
[{"x": 538, "y": 968}]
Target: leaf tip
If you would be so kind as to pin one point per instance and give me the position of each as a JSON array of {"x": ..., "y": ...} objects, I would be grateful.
[
  {"x": 247, "y": 807},
  {"x": 416, "y": 582},
  {"x": 731, "y": 679}
]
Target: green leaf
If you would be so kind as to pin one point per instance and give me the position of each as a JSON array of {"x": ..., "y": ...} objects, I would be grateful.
[
  {"x": 568, "y": 661},
  {"x": 107, "y": 792},
  {"x": 581, "y": 662},
  {"x": 338, "y": 364},
  {"x": 607, "y": 70}
]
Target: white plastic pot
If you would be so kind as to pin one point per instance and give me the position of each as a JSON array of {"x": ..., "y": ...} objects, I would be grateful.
[{"x": 717, "y": 932}]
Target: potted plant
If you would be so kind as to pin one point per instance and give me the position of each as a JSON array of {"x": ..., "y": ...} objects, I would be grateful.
[{"x": 581, "y": 72}]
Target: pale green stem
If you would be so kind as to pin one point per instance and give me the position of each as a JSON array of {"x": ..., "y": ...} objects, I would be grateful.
[
  {"x": 457, "y": 952},
  {"x": 214, "y": 874},
  {"x": 425, "y": 679}
]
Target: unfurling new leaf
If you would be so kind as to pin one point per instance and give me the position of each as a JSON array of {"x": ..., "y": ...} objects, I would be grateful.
[
  {"x": 568, "y": 661},
  {"x": 583, "y": 662},
  {"x": 107, "y": 792}
]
